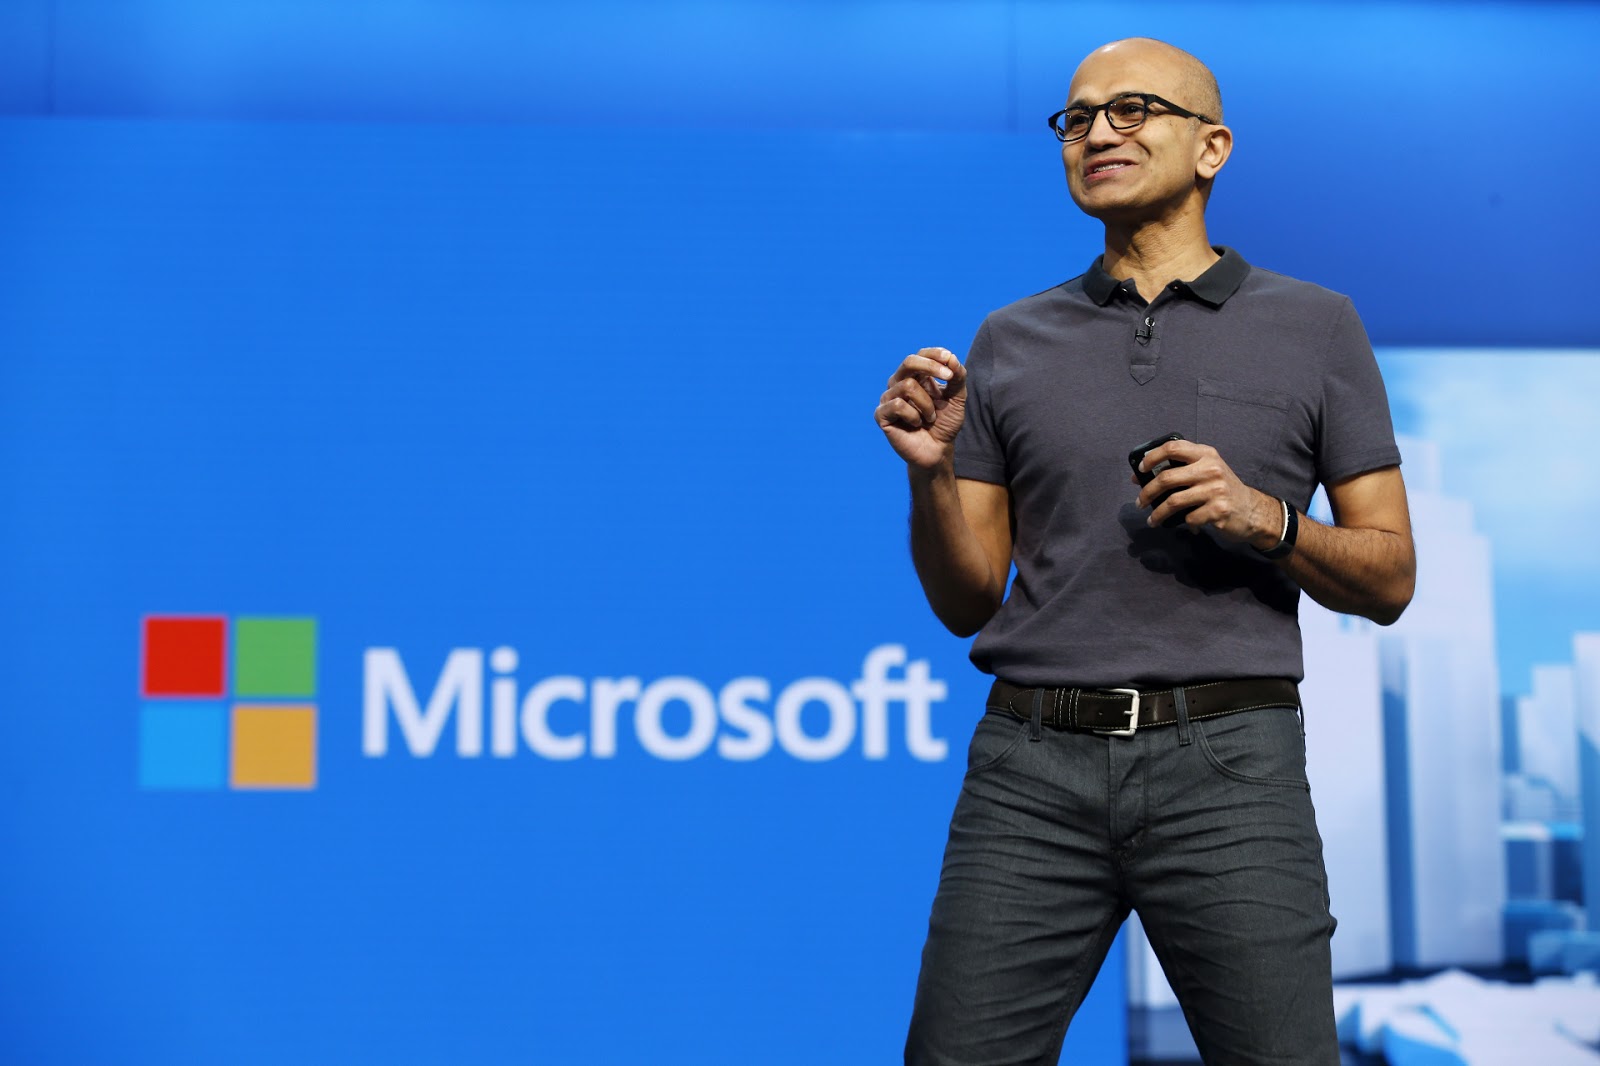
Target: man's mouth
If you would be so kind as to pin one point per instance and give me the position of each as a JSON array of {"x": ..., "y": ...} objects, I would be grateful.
[{"x": 1110, "y": 166}]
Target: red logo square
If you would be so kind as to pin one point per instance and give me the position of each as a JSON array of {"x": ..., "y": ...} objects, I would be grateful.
[{"x": 185, "y": 656}]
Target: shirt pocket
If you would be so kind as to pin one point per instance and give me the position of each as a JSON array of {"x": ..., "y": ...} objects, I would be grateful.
[{"x": 1246, "y": 424}]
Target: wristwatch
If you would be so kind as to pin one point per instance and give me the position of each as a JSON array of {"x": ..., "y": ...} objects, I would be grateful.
[{"x": 1291, "y": 529}]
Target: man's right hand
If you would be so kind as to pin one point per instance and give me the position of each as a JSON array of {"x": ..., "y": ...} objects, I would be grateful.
[{"x": 920, "y": 417}]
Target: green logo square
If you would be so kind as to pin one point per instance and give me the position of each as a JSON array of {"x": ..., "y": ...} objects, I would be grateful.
[{"x": 275, "y": 657}]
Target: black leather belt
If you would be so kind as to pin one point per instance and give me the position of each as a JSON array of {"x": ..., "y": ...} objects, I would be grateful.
[{"x": 1123, "y": 711}]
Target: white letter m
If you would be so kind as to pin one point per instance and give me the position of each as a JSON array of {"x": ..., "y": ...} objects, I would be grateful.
[{"x": 386, "y": 685}]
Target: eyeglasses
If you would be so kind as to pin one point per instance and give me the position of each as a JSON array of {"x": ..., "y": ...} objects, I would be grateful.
[{"x": 1125, "y": 112}]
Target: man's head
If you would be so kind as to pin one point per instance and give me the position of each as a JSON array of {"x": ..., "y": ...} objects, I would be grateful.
[{"x": 1162, "y": 167}]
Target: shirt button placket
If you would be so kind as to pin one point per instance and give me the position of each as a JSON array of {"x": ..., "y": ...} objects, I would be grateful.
[{"x": 1146, "y": 350}]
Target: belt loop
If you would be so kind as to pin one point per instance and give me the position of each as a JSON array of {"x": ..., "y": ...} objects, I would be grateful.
[
  {"x": 1035, "y": 730},
  {"x": 1181, "y": 705}
]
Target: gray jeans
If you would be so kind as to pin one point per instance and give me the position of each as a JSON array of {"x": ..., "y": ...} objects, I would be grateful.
[{"x": 1204, "y": 828}]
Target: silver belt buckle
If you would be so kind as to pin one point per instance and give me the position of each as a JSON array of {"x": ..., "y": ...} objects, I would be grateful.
[{"x": 1132, "y": 712}]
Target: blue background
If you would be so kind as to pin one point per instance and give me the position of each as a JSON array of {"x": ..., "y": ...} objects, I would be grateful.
[{"x": 560, "y": 327}]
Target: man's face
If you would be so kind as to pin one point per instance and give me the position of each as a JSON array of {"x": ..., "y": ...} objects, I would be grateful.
[{"x": 1140, "y": 174}]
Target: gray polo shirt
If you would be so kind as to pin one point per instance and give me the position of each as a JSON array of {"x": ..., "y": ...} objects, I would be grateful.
[{"x": 1276, "y": 374}]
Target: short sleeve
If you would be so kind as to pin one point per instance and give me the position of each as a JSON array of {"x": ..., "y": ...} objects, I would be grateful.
[
  {"x": 1355, "y": 432},
  {"x": 979, "y": 455}
]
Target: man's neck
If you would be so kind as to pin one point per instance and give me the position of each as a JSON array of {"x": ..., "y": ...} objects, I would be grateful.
[{"x": 1155, "y": 253}]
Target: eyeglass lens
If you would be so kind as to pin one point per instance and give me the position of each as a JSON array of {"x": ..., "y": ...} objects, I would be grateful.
[{"x": 1125, "y": 114}]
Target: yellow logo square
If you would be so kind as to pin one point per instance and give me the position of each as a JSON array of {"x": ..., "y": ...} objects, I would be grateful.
[{"x": 274, "y": 746}]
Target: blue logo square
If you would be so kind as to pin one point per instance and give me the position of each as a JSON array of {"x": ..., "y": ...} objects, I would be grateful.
[{"x": 183, "y": 745}]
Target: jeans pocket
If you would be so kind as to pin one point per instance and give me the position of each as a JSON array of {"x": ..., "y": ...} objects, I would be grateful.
[
  {"x": 996, "y": 739},
  {"x": 1260, "y": 747}
]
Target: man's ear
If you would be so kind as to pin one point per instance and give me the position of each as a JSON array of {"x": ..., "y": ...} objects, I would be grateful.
[{"x": 1215, "y": 147}]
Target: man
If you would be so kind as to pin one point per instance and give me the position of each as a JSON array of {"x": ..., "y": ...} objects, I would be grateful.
[{"x": 1142, "y": 746}]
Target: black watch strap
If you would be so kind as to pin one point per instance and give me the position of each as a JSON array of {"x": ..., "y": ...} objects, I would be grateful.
[{"x": 1291, "y": 529}]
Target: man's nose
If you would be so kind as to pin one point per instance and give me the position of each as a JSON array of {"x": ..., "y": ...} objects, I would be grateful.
[{"x": 1100, "y": 131}]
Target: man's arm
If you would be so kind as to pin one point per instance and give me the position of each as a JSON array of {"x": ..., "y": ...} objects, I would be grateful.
[
  {"x": 960, "y": 529},
  {"x": 960, "y": 545},
  {"x": 1364, "y": 564}
]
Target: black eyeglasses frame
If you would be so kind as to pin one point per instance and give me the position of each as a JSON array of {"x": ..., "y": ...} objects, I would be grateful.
[{"x": 1147, "y": 99}]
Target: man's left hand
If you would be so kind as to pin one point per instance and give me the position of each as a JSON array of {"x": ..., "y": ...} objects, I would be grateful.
[{"x": 1218, "y": 498}]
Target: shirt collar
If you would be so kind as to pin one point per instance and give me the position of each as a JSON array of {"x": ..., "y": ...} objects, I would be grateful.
[{"x": 1220, "y": 280}]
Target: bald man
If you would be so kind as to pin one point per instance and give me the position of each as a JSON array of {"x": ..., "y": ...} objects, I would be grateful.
[{"x": 1142, "y": 746}]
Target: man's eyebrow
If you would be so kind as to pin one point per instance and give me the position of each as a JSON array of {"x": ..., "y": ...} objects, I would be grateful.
[{"x": 1081, "y": 102}]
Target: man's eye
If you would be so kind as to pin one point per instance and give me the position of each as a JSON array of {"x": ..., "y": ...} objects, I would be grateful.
[
  {"x": 1128, "y": 109},
  {"x": 1076, "y": 121}
]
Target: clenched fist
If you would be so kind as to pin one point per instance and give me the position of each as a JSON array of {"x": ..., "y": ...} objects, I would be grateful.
[{"x": 921, "y": 410}]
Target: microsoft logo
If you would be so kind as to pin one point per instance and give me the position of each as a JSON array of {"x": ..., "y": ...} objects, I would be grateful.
[{"x": 208, "y": 720}]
